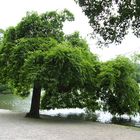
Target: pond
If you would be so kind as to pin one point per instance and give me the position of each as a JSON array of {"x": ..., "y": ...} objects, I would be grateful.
[{"x": 15, "y": 103}]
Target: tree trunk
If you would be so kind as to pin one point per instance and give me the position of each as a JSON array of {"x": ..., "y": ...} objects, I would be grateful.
[{"x": 35, "y": 103}]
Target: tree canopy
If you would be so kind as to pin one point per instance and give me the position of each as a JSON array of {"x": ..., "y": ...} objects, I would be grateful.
[
  {"x": 36, "y": 54},
  {"x": 49, "y": 24},
  {"x": 119, "y": 90},
  {"x": 73, "y": 74},
  {"x": 111, "y": 20}
]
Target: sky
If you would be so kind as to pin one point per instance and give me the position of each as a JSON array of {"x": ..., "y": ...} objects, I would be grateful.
[{"x": 11, "y": 12}]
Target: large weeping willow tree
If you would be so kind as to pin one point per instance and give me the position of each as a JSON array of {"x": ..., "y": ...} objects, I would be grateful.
[{"x": 111, "y": 20}]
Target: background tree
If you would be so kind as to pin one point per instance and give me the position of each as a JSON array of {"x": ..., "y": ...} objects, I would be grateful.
[
  {"x": 112, "y": 19},
  {"x": 119, "y": 90}
]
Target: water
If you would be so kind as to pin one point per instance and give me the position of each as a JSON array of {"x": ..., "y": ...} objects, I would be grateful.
[
  {"x": 15, "y": 103},
  {"x": 103, "y": 117}
]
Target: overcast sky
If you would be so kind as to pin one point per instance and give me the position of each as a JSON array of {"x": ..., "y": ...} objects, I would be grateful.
[{"x": 11, "y": 12}]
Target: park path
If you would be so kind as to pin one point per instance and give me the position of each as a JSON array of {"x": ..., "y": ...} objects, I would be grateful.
[{"x": 13, "y": 126}]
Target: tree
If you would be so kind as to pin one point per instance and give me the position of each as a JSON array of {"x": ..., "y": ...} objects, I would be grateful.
[
  {"x": 36, "y": 55},
  {"x": 31, "y": 37},
  {"x": 112, "y": 19},
  {"x": 119, "y": 90}
]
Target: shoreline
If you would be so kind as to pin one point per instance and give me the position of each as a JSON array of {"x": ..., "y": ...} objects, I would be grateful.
[{"x": 14, "y": 126}]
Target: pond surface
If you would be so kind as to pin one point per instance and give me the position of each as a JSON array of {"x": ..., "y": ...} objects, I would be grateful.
[{"x": 15, "y": 103}]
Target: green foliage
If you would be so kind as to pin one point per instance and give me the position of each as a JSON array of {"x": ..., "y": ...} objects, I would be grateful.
[
  {"x": 37, "y": 50},
  {"x": 71, "y": 75},
  {"x": 49, "y": 24},
  {"x": 112, "y": 19},
  {"x": 136, "y": 60},
  {"x": 14, "y": 58},
  {"x": 33, "y": 35},
  {"x": 119, "y": 90},
  {"x": 77, "y": 41},
  {"x": 9, "y": 35},
  {"x": 63, "y": 66},
  {"x": 137, "y": 73}
]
